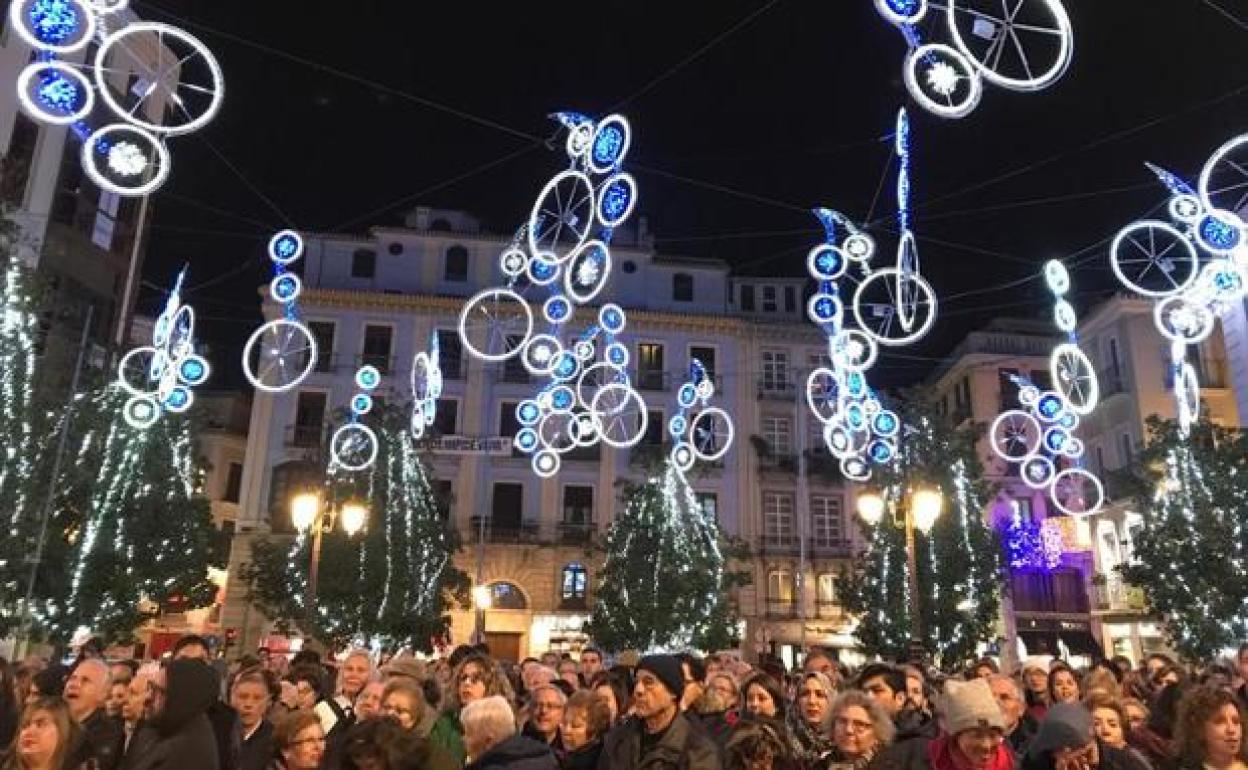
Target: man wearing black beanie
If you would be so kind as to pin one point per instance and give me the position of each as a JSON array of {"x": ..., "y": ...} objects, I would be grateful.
[{"x": 659, "y": 735}]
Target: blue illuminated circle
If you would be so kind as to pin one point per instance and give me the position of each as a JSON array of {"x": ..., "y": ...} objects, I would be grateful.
[
  {"x": 880, "y": 451},
  {"x": 1049, "y": 406},
  {"x": 826, "y": 262},
  {"x": 1217, "y": 233},
  {"x": 361, "y": 403},
  {"x": 192, "y": 370},
  {"x": 677, "y": 425},
  {"x": 885, "y": 423},
  {"x": 542, "y": 271},
  {"x": 1226, "y": 281},
  {"x": 1068, "y": 420},
  {"x": 526, "y": 439},
  {"x": 617, "y": 354},
  {"x": 58, "y": 93},
  {"x": 285, "y": 288},
  {"x": 855, "y": 383},
  {"x": 178, "y": 398},
  {"x": 368, "y": 377},
  {"x": 612, "y": 318},
  {"x": 854, "y": 416},
  {"x": 562, "y": 398},
  {"x": 687, "y": 394},
  {"x": 616, "y": 200},
  {"x": 566, "y": 365},
  {"x": 610, "y": 144},
  {"x": 528, "y": 412},
  {"x": 285, "y": 247},
  {"x": 54, "y": 22},
  {"x": 557, "y": 309},
  {"x": 1055, "y": 439},
  {"x": 824, "y": 308}
]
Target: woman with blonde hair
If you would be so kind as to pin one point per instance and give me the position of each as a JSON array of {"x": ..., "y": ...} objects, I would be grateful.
[{"x": 810, "y": 720}]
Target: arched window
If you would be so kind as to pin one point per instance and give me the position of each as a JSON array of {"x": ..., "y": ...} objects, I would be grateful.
[
  {"x": 507, "y": 596},
  {"x": 573, "y": 585},
  {"x": 456, "y": 264},
  {"x": 290, "y": 479}
]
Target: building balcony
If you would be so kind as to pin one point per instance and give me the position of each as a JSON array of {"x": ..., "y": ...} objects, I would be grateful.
[
  {"x": 782, "y": 388},
  {"x": 576, "y": 533},
  {"x": 504, "y": 533},
  {"x": 305, "y": 436},
  {"x": 383, "y": 363},
  {"x": 651, "y": 379},
  {"x": 781, "y": 608}
]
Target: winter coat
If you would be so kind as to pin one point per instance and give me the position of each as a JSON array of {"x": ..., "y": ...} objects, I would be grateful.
[
  {"x": 908, "y": 755},
  {"x": 104, "y": 738},
  {"x": 683, "y": 746},
  {"x": 516, "y": 753},
  {"x": 447, "y": 735},
  {"x": 228, "y": 731},
  {"x": 912, "y": 723},
  {"x": 584, "y": 758},
  {"x": 1020, "y": 739},
  {"x": 257, "y": 751},
  {"x": 184, "y": 736},
  {"x": 1111, "y": 759}
]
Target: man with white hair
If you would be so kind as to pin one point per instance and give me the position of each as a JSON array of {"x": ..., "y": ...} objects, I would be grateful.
[
  {"x": 86, "y": 691},
  {"x": 546, "y": 704},
  {"x": 492, "y": 742},
  {"x": 1020, "y": 727}
]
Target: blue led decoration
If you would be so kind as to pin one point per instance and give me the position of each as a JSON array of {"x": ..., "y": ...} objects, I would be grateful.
[
  {"x": 281, "y": 353},
  {"x": 58, "y": 92},
  {"x": 353, "y": 446},
  {"x": 1217, "y": 234},
  {"x": 699, "y": 431},
  {"x": 54, "y": 21},
  {"x": 1032, "y": 545}
]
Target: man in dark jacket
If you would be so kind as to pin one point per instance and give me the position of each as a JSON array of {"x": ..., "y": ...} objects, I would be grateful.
[
  {"x": 1020, "y": 727},
  {"x": 178, "y": 735},
  {"x": 659, "y": 737},
  {"x": 492, "y": 742},
  {"x": 1066, "y": 738},
  {"x": 85, "y": 691},
  {"x": 224, "y": 719},
  {"x": 887, "y": 686}
]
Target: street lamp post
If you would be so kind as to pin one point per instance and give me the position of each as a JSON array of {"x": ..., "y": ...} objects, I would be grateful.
[
  {"x": 308, "y": 513},
  {"x": 482, "y": 600},
  {"x": 921, "y": 514}
]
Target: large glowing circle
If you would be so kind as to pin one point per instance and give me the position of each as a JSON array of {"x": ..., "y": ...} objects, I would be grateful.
[
  {"x": 54, "y": 92},
  {"x": 902, "y": 11},
  {"x": 942, "y": 80},
  {"x": 588, "y": 271},
  {"x": 139, "y": 369},
  {"x": 621, "y": 413},
  {"x": 711, "y": 433},
  {"x": 1153, "y": 258},
  {"x": 1223, "y": 182},
  {"x": 285, "y": 247},
  {"x": 555, "y": 432},
  {"x": 826, "y": 262},
  {"x": 353, "y": 447},
  {"x": 187, "y": 91},
  {"x": 279, "y": 355},
  {"x": 1026, "y": 46},
  {"x": 1077, "y": 492},
  {"x": 1074, "y": 377},
  {"x": 905, "y": 285},
  {"x": 562, "y": 217},
  {"x": 610, "y": 144},
  {"x": 876, "y": 307},
  {"x": 1014, "y": 435},
  {"x": 54, "y": 26},
  {"x": 854, "y": 350},
  {"x": 1182, "y": 320},
  {"x": 617, "y": 197},
  {"x": 140, "y": 412},
  {"x": 594, "y": 377},
  {"x": 821, "y": 393},
  {"x": 495, "y": 324},
  {"x": 125, "y": 159}
]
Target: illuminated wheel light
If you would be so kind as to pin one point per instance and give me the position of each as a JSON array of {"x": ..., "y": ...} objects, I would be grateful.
[
  {"x": 1153, "y": 258},
  {"x": 495, "y": 324},
  {"x": 876, "y": 317},
  {"x": 562, "y": 216},
  {"x": 1074, "y": 376},
  {"x": 1028, "y": 79},
  {"x": 935, "y": 73},
  {"x": 596, "y": 376},
  {"x": 188, "y": 50},
  {"x": 134, "y": 371},
  {"x": 1014, "y": 435},
  {"x": 621, "y": 414},
  {"x": 149, "y": 165},
  {"x": 711, "y": 434},
  {"x": 284, "y": 353},
  {"x": 821, "y": 393},
  {"x": 1076, "y": 492},
  {"x": 353, "y": 447},
  {"x": 1220, "y": 164},
  {"x": 65, "y": 98}
]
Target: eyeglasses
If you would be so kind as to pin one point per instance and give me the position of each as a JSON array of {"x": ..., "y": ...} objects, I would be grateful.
[
  {"x": 301, "y": 741},
  {"x": 547, "y": 706},
  {"x": 853, "y": 725}
]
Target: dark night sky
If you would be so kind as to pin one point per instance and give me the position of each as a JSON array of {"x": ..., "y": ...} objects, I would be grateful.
[{"x": 788, "y": 111}]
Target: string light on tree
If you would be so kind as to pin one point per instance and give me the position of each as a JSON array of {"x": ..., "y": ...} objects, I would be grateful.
[
  {"x": 1026, "y": 46},
  {"x": 128, "y": 156}
]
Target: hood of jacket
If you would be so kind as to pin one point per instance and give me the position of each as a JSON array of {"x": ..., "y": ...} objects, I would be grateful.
[
  {"x": 190, "y": 688},
  {"x": 516, "y": 749}
]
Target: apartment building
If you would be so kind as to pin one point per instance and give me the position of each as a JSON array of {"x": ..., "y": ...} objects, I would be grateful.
[{"x": 377, "y": 299}]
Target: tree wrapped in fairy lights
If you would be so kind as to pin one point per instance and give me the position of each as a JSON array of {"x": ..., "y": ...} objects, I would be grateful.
[
  {"x": 1191, "y": 555},
  {"x": 393, "y": 583},
  {"x": 958, "y": 559}
]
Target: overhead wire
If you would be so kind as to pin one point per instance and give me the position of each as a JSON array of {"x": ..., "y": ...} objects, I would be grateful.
[{"x": 1230, "y": 16}]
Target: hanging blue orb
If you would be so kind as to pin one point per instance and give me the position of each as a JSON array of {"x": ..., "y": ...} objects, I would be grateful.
[
  {"x": 880, "y": 451},
  {"x": 53, "y": 21},
  {"x": 608, "y": 145},
  {"x": 566, "y": 365},
  {"x": 362, "y": 403},
  {"x": 1049, "y": 406},
  {"x": 286, "y": 288},
  {"x": 542, "y": 270},
  {"x": 1217, "y": 233},
  {"x": 58, "y": 93},
  {"x": 677, "y": 426},
  {"x": 1055, "y": 439},
  {"x": 561, "y": 398},
  {"x": 616, "y": 201},
  {"x": 687, "y": 395},
  {"x": 526, "y": 439},
  {"x": 886, "y": 423},
  {"x": 177, "y": 398},
  {"x": 285, "y": 247},
  {"x": 855, "y": 383},
  {"x": 527, "y": 412},
  {"x": 192, "y": 370}
]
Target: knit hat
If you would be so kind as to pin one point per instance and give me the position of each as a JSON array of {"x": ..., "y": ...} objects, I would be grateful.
[
  {"x": 406, "y": 666},
  {"x": 968, "y": 705},
  {"x": 667, "y": 669},
  {"x": 1065, "y": 726},
  {"x": 1035, "y": 663}
]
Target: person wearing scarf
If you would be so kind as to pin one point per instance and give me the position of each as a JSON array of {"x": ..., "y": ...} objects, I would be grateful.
[
  {"x": 811, "y": 721},
  {"x": 973, "y": 738},
  {"x": 860, "y": 729}
]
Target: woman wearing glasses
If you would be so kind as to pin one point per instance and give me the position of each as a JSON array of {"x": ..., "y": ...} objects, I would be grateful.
[
  {"x": 860, "y": 728},
  {"x": 299, "y": 742},
  {"x": 475, "y": 677}
]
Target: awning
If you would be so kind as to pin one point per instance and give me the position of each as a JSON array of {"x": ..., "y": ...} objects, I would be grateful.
[{"x": 1082, "y": 643}]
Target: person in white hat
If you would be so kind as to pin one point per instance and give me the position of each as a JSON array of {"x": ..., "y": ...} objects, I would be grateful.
[{"x": 973, "y": 737}]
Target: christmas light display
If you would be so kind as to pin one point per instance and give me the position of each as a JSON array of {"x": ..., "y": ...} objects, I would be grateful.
[
  {"x": 891, "y": 306},
  {"x": 707, "y": 435},
  {"x": 281, "y": 353},
  {"x": 155, "y": 80},
  {"x": 353, "y": 447},
  {"x": 1163, "y": 261},
  {"x": 159, "y": 377},
  {"x": 562, "y": 259},
  {"x": 1023, "y": 46},
  {"x": 426, "y": 387},
  {"x": 1032, "y": 545},
  {"x": 1040, "y": 437}
]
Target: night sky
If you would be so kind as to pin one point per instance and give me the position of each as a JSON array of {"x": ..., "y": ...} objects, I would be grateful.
[{"x": 339, "y": 116}]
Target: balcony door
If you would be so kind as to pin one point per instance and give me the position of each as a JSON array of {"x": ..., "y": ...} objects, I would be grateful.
[{"x": 507, "y": 509}]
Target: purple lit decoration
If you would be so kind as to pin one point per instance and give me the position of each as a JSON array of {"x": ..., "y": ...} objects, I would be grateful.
[{"x": 1032, "y": 545}]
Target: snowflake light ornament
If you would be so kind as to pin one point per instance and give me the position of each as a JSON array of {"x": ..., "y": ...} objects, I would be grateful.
[
  {"x": 426, "y": 387},
  {"x": 1021, "y": 46},
  {"x": 699, "y": 431},
  {"x": 282, "y": 352},
  {"x": 183, "y": 87},
  {"x": 353, "y": 447},
  {"x": 1193, "y": 267},
  {"x": 560, "y": 261},
  {"x": 160, "y": 377}
]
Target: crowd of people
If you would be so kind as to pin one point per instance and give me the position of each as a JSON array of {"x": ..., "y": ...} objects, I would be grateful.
[{"x": 468, "y": 711}]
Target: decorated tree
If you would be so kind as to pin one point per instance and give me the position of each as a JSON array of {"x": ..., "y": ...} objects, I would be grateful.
[
  {"x": 665, "y": 584},
  {"x": 1191, "y": 555},
  {"x": 392, "y": 583},
  {"x": 132, "y": 530},
  {"x": 958, "y": 560},
  {"x": 19, "y": 498}
]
